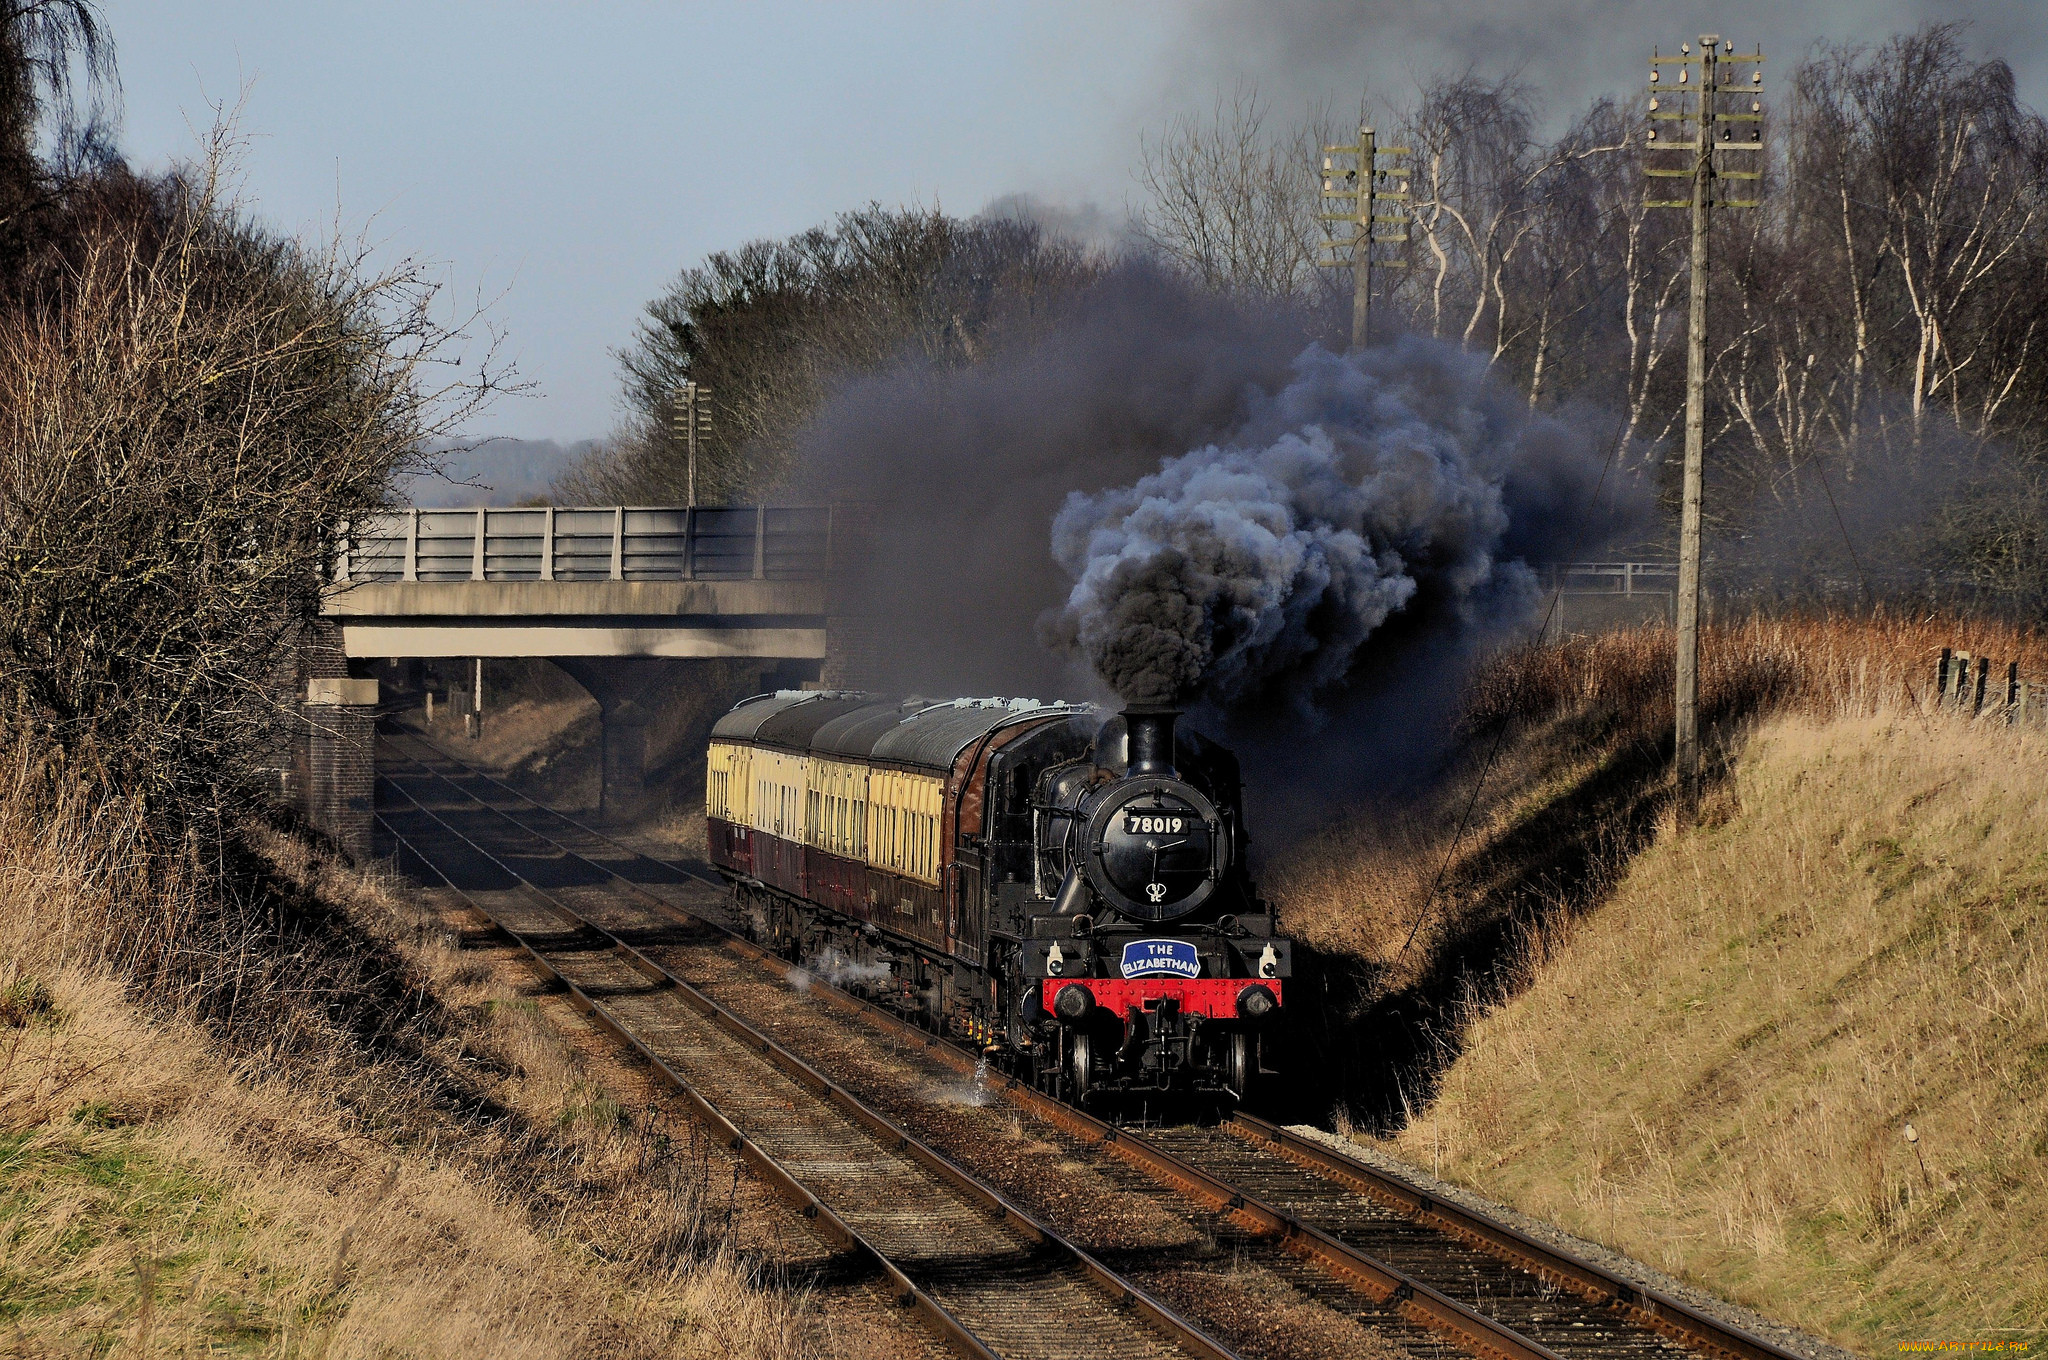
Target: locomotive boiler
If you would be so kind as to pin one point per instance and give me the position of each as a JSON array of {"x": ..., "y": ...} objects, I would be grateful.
[{"x": 1062, "y": 886}]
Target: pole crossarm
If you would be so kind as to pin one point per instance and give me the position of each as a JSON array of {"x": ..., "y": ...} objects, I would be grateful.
[{"x": 1368, "y": 185}]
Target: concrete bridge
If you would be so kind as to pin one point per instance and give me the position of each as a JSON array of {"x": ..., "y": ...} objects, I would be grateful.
[
  {"x": 621, "y": 581},
  {"x": 612, "y": 595}
]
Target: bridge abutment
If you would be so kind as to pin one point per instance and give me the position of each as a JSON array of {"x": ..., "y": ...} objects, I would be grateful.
[
  {"x": 341, "y": 762},
  {"x": 333, "y": 770}
]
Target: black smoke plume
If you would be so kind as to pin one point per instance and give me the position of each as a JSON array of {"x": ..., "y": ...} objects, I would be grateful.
[
  {"x": 1342, "y": 525},
  {"x": 1258, "y": 567}
]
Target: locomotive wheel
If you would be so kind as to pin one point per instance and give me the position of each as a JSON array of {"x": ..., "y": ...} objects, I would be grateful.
[
  {"x": 1080, "y": 1065},
  {"x": 1244, "y": 1064}
]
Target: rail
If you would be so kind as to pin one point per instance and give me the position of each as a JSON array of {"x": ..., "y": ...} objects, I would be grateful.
[
  {"x": 587, "y": 543},
  {"x": 1118, "y": 1293},
  {"x": 1370, "y": 1276}
]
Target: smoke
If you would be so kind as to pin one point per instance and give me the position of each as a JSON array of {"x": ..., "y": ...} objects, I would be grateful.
[
  {"x": 836, "y": 968},
  {"x": 964, "y": 468},
  {"x": 1257, "y": 567},
  {"x": 1304, "y": 51},
  {"x": 1365, "y": 518}
]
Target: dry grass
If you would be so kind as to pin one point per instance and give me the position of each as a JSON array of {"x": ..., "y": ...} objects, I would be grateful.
[
  {"x": 552, "y": 744},
  {"x": 1703, "y": 1048},
  {"x": 450, "y": 1179},
  {"x": 1715, "y": 1071},
  {"x": 1583, "y": 729}
]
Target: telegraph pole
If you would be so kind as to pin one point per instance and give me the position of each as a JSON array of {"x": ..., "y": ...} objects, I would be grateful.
[
  {"x": 1362, "y": 184},
  {"x": 1697, "y": 107},
  {"x": 689, "y": 415}
]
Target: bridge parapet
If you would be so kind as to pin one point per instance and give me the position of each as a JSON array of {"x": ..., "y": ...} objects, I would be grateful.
[{"x": 588, "y": 543}]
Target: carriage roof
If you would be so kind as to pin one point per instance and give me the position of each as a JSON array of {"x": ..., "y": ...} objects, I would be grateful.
[{"x": 926, "y": 733}]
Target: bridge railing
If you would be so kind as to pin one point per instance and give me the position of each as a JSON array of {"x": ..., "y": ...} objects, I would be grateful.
[
  {"x": 588, "y": 543},
  {"x": 1619, "y": 578}
]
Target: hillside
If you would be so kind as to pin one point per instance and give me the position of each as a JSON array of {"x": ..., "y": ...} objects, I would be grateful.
[
  {"x": 1705, "y": 1049},
  {"x": 366, "y": 1131}
]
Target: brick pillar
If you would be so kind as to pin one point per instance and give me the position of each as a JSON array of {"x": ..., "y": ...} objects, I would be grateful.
[{"x": 341, "y": 762}]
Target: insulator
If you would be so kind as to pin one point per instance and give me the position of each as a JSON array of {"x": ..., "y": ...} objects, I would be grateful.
[
  {"x": 1682, "y": 76},
  {"x": 1653, "y": 134},
  {"x": 1728, "y": 45},
  {"x": 1326, "y": 166},
  {"x": 1756, "y": 77},
  {"x": 1655, "y": 75},
  {"x": 1654, "y": 106},
  {"x": 1685, "y": 48},
  {"x": 1756, "y": 106}
]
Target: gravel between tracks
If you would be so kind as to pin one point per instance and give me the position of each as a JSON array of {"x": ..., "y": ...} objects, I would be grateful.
[
  {"x": 1015, "y": 1297},
  {"x": 1249, "y": 1294}
]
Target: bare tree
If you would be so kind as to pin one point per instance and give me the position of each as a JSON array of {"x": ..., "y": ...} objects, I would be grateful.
[
  {"x": 1235, "y": 201},
  {"x": 772, "y": 327},
  {"x": 189, "y": 407}
]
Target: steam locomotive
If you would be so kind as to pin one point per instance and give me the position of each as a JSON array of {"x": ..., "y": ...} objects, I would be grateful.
[{"x": 1064, "y": 887}]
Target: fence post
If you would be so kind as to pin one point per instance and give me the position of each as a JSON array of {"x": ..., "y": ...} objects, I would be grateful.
[
  {"x": 2012, "y": 691},
  {"x": 1941, "y": 677},
  {"x": 1983, "y": 680}
]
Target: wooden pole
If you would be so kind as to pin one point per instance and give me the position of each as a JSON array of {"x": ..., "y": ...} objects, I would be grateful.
[
  {"x": 1361, "y": 251},
  {"x": 1687, "y": 734},
  {"x": 690, "y": 417}
]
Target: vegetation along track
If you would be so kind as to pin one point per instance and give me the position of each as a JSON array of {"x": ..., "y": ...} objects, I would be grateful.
[{"x": 1273, "y": 1243}]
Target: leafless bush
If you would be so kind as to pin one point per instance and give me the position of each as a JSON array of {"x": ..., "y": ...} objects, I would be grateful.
[{"x": 189, "y": 405}]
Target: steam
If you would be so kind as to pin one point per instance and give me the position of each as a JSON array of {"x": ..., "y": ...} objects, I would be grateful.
[{"x": 1261, "y": 565}]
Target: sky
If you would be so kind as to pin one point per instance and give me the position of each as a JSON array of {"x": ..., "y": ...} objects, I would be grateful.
[{"x": 563, "y": 162}]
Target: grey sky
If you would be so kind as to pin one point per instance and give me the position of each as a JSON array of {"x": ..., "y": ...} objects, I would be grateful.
[{"x": 573, "y": 157}]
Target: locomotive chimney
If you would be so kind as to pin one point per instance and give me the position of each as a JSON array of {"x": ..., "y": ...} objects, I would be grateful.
[{"x": 1149, "y": 732}]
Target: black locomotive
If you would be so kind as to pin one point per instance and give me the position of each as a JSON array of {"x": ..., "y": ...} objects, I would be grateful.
[{"x": 1062, "y": 886}]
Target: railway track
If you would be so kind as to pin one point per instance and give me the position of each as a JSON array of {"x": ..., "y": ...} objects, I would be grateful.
[
  {"x": 1331, "y": 1247},
  {"x": 979, "y": 1269}
]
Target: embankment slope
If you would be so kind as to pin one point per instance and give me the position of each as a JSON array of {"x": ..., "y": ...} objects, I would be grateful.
[{"x": 1715, "y": 1070}]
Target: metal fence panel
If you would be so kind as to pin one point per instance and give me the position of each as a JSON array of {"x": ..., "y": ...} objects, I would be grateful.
[
  {"x": 447, "y": 545},
  {"x": 722, "y": 548},
  {"x": 795, "y": 544},
  {"x": 655, "y": 545},
  {"x": 583, "y": 544},
  {"x": 514, "y": 543},
  {"x": 377, "y": 548}
]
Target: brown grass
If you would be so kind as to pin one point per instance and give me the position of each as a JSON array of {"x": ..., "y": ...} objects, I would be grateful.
[
  {"x": 1715, "y": 1071},
  {"x": 1416, "y": 924},
  {"x": 1564, "y": 714},
  {"x": 451, "y": 1178},
  {"x": 1703, "y": 1048}
]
